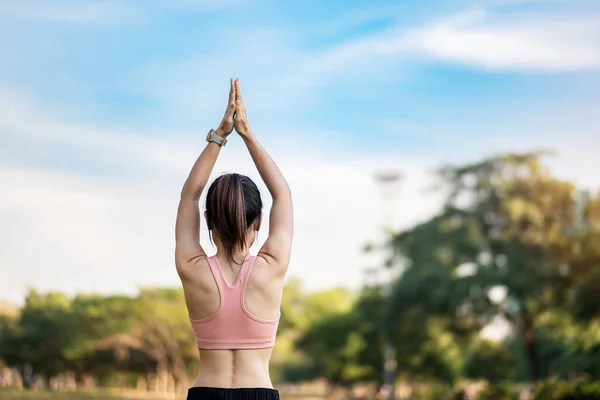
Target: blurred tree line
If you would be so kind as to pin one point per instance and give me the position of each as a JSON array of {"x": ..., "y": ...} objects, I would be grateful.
[{"x": 511, "y": 243}]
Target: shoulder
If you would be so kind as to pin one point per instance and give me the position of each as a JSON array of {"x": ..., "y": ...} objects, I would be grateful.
[
  {"x": 192, "y": 268},
  {"x": 270, "y": 265}
]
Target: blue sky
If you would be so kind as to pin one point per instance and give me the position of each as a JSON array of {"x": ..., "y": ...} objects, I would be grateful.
[{"x": 104, "y": 105}]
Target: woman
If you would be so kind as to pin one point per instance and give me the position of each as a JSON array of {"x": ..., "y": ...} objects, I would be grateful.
[{"x": 233, "y": 298}]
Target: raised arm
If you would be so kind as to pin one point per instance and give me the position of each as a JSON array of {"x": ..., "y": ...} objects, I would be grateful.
[
  {"x": 187, "y": 225},
  {"x": 277, "y": 248}
]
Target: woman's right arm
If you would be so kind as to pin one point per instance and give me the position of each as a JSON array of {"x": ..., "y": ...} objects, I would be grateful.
[{"x": 277, "y": 248}]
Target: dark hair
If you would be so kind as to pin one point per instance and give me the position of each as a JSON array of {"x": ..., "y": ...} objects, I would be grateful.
[{"x": 233, "y": 203}]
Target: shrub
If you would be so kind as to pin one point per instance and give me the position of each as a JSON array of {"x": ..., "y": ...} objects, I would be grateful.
[
  {"x": 561, "y": 390},
  {"x": 499, "y": 392}
]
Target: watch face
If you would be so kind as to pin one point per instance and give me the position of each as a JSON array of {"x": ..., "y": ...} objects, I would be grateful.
[{"x": 209, "y": 135}]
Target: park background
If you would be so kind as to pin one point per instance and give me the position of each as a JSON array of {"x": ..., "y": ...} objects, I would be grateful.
[{"x": 479, "y": 263}]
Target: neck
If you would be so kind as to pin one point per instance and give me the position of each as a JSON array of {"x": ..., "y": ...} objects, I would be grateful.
[{"x": 239, "y": 255}]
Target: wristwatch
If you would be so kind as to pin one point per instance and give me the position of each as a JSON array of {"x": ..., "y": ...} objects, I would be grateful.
[{"x": 213, "y": 137}]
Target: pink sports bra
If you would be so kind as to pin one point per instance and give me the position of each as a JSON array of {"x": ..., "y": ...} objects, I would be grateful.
[{"x": 232, "y": 326}]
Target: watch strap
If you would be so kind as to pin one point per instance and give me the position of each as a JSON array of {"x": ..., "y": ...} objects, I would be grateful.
[{"x": 213, "y": 137}]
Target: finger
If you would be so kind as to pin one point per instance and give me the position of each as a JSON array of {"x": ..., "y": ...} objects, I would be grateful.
[
  {"x": 231, "y": 91},
  {"x": 238, "y": 91},
  {"x": 230, "y": 108},
  {"x": 239, "y": 106}
]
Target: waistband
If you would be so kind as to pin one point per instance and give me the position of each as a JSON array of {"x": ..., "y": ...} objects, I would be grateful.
[{"x": 209, "y": 393}]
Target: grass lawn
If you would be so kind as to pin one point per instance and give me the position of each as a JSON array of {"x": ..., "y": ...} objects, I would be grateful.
[
  {"x": 42, "y": 394},
  {"x": 11, "y": 394}
]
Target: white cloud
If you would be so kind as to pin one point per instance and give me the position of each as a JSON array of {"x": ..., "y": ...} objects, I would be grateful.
[
  {"x": 70, "y": 232},
  {"x": 263, "y": 57},
  {"x": 92, "y": 232},
  {"x": 89, "y": 228},
  {"x": 556, "y": 44},
  {"x": 481, "y": 39},
  {"x": 102, "y": 233},
  {"x": 22, "y": 117},
  {"x": 77, "y": 232}
]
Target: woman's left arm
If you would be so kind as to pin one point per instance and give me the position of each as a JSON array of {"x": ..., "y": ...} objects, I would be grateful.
[{"x": 187, "y": 225}]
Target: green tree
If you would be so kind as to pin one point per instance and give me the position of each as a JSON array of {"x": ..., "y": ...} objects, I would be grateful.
[
  {"x": 39, "y": 336},
  {"x": 344, "y": 344},
  {"x": 509, "y": 222},
  {"x": 301, "y": 310},
  {"x": 96, "y": 319},
  {"x": 491, "y": 361},
  {"x": 154, "y": 339}
]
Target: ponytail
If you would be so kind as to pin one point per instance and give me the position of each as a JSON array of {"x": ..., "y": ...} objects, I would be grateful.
[{"x": 230, "y": 213}]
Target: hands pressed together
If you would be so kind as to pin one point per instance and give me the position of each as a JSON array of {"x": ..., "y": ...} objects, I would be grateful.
[{"x": 235, "y": 115}]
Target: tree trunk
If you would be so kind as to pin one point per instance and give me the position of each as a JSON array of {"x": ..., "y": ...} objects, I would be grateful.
[
  {"x": 27, "y": 376},
  {"x": 389, "y": 371},
  {"x": 530, "y": 346},
  {"x": 79, "y": 378}
]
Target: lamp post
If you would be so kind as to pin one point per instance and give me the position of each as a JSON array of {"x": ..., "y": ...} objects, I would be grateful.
[
  {"x": 388, "y": 183},
  {"x": 581, "y": 199}
]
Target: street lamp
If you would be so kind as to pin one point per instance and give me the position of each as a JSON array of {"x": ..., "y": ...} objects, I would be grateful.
[{"x": 388, "y": 183}]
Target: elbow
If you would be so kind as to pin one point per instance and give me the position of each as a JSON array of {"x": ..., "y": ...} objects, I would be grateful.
[
  {"x": 284, "y": 193},
  {"x": 190, "y": 193},
  {"x": 185, "y": 194}
]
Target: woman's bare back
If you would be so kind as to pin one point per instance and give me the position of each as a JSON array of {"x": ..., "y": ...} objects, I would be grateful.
[{"x": 262, "y": 298}]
